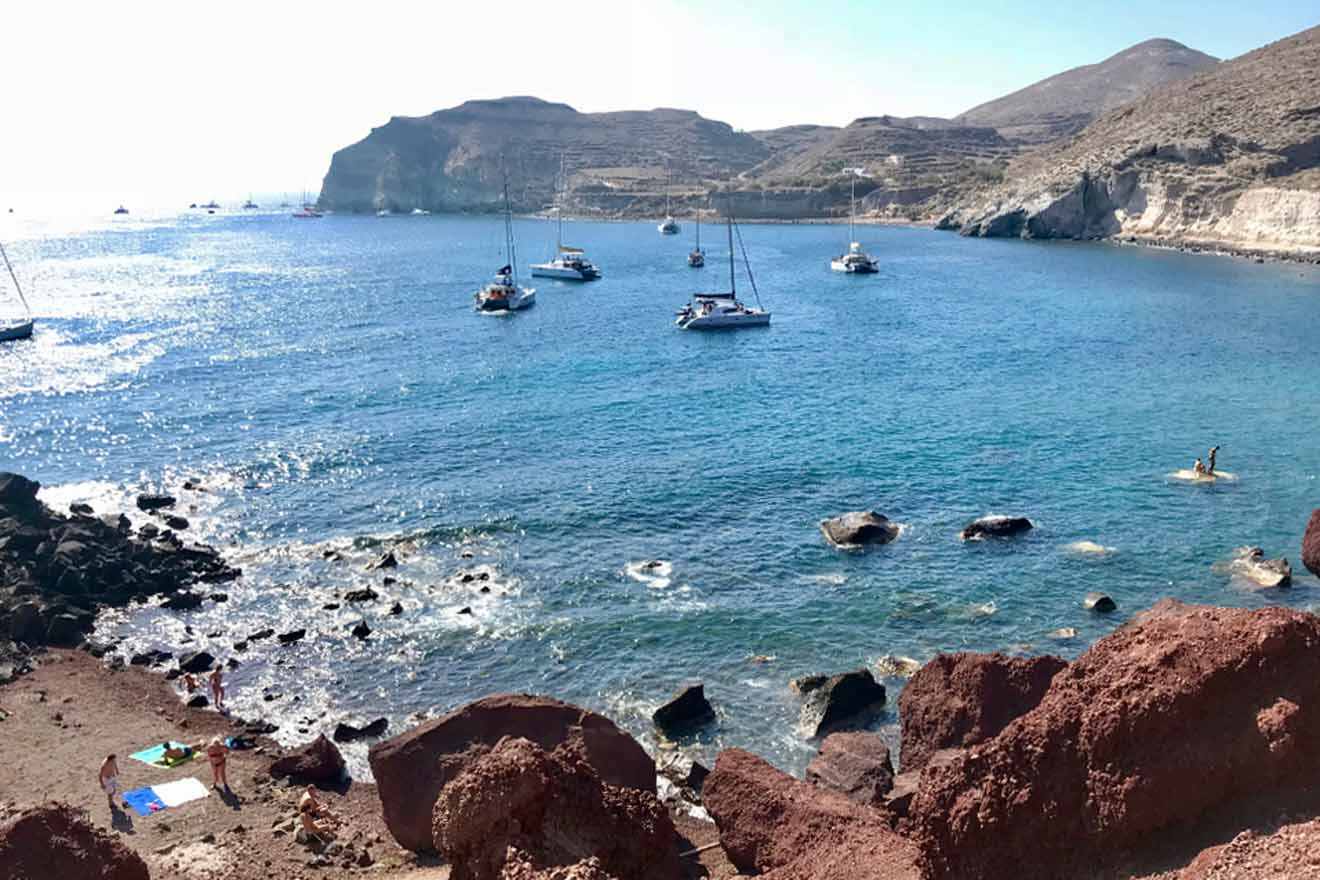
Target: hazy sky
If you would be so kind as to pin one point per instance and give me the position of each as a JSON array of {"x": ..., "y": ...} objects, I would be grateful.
[{"x": 138, "y": 101}]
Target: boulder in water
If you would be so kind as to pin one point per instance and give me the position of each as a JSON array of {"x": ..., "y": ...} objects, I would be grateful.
[
  {"x": 1251, "y": 564},
  {"x": 996, "y": 527},
  {"x": 386, "y": 561},
  {"x": 345, "y": 732},
  {"x": 686, "y": 711},
  {"x": 150, "y": 502},
  {"x": 850, "y": 699},
  {"x": 858, "y": 528},
  {"x": 196, "y": 662},
  {"x": 290, "y": 637},
  {"x": 1099, "y": 603}
]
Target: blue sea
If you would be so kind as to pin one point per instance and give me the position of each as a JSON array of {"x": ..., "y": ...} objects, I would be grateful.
[{"x": 330, "y": 386}]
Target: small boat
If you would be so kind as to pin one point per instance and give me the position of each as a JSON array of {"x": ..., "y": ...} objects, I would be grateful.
[
  {"x": 121, "y": 210},
  {"x": 420, "y": 212},
  {"x": 14, "y": 330},
  {"x": 668, "y": 226},
  {"x": 568, "y": 263},
  {"x": 383, "y": 212},
  {"x": 308, "y": 210},
  {"x": 211, "y": 206},
  {"x": 723, "y": 311},
  {"x": 856, "y": 261},
  {"x": 697, "y": 258},
  {"x": 503, "y": 295},
  {"x": 250, "y": 205}
]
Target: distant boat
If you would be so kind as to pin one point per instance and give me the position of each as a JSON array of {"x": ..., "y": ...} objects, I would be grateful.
[
  {"x": 856, "y": 261},
  {"x": 210, "y": 206},
  {"x": 250, "y": 205},
  {"x": 13, "y": 330},
  {"x": 308, "y": 210},
  {"x": 568, "y": 263},
  {"x": 723, "y": 311},
  {"x": 121, "y": 210},
  {"x": 669, "y": 226},
  {"x": 383, "y": 212},
  {"x": 419, "y": 212},
  {"x": 503, "y": 294},
  {"x": 697, "y": 258}
]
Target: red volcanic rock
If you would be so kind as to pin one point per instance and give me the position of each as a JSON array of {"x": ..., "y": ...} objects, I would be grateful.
[
  {"x": 58, "y": 841},
  {"x": 1186, "y": 710},
  {"x": 786, "y": 829},
  {"x": 959, "y": 700},
  {"x": 412, "y": 768},
  {"x": 856, "y": 765},
  {"x": 542, "y": 811},
  {"x": 318, "y": 761},
  {"x": 1311, "y": 544},
  {"x": 1290, "y": 853}
]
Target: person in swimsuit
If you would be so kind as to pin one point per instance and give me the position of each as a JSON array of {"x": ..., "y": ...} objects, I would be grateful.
[
  {"x": 218, "y": 688},
  {"x": 1214, "y": 450},
  {"x": 1198, "y": 468},
  {"x": 109, "y": 779},
  {"x": 216, "y": 753},
  {"x": 172, "y": 754}
]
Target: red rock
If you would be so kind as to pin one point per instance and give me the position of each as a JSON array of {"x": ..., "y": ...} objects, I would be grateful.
[
  {"x": 318, "y": 761},
  {"x": 520, "y": 810},
  {"x": 1311, "y": 544},
  {"x": 1176, "y": 718},
  {"x": 959, "y": 700},
  {"x": 412, "y": 768},
  {"x": 58, "y": 841},
  {"x": 856, "y": 765},
  {"x": 787, "y": 829},
  {"x": 1289, "y": 853}
]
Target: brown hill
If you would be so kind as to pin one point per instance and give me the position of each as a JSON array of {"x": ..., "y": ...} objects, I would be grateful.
[
  {"x": 1065, "y": 103},
  {"x": 1227, "y": 158}
]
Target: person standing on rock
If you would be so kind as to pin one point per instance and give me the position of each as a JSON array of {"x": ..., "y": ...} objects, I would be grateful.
[
  {"x": 218, "y": 688},
  {"x": 1214, "y": 450},
  {"x": 109, "y": 779}
]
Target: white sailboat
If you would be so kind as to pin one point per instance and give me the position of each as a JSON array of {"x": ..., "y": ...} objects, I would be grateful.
[
  {"x": 503, "y": 295},
  {"x": 697, "y": 258},
  {"x": 21, "y": 328},
  {"x": 568, "y": 263},
  {"x": 856, "y": 261},
  {"x": 669, "y": 226},
  {"x": 308, "y": 210},
  {"x": 723, "y": 311}
]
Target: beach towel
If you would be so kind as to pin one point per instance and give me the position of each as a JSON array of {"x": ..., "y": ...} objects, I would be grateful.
[
  {"x": 143, "y": 801},
  {"x": 155, "y": 756},
  {"x": 180, "y": 791}
]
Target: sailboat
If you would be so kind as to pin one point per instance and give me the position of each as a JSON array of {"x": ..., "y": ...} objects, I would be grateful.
[
  {"x": 21, "y": 329},
  {"x": 308, "y": 210},
  {"x": 856, "y": 261},
  {"x": 697, "y": 258},
  {"x": 568, "y": 263},
  {"x": 121, "y": 210},
  {"x": 723, "y": 311},
  {"x": 670, "y": 225},
  {"x": 250, "y": 205},
  {"x": 503, "y": 294}
]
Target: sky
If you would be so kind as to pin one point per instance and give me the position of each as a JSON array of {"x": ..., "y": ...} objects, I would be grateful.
[{"x": 146, "y": 101}]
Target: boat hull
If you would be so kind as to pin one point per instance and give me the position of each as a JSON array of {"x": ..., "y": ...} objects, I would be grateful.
[
  {"x": 725, "y": 322},
  {"x": 563, "y": 273},
  {"x": 15, "y": 332},
  {"x": 854, "y": 268},
  {"x": 525, "y": 299}
]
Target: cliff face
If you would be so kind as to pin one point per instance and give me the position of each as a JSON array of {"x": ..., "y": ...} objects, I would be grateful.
[
  {"x": 1064, "y": 104},
  {"x": 1228, "y": 158}
]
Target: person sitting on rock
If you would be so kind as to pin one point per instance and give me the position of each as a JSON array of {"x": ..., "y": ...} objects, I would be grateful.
[
  {"x": 307, "y": 813},
  {"x": 309, "y": 803},
  {"x": 1198, "y": 468}
]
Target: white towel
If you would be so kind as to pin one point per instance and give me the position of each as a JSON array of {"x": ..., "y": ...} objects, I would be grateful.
[{"x": 180, "y": 791}]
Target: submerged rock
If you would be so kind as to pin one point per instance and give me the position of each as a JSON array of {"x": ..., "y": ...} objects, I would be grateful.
[
  {"x": 839, "y": 701},
  {"x": 686, "y": 710},
  {"x": 411, "y": 769},
  {"x": 996, "y": 527},
  {"x": 858, "y": 528},
  {"x": 856, "y": 765}
]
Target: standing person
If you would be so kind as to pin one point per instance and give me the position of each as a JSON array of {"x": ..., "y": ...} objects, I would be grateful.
[
  {"x": 216, "y": 753},
  {"x": 1211, "y": 456},
  {"x": 109, "y": 779},
  {"x": 218, "y": 688}
]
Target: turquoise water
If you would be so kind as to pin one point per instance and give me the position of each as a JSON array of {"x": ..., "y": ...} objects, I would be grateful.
[{"x": 330, "y": 385}]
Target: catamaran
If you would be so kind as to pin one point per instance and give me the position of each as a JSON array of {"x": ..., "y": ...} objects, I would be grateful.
[
  {"x": 11, "y": 329},
  {"x": 669, "y": 226},
  {"x": 568, "y": 263},
  {"x": 697, "y": 258},
  {"x": 723, "y": 311},
  {"x": 503, "y": 294},
  {"x": 856, "y": 261}
]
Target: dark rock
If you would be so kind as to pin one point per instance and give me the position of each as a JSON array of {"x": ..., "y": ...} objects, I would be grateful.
[
  {"x": 1311, "y": 544},
  {"x": 259, "y": 635},
  {"x": 388, "y": 581},
  {"x": 81, "y": 509},
  {"x": 66, "y": 630},
  {"x": 59, "y": 841},
  {"x": 186, "y": 600},
  {"x": 231, "y": 663},
  {"x": 386, "y": 561},
  {"x": 219, "y": 597},
  {"x": 466, "y": 609},
  {"x": 396, "y": 609},
  {"x": 959, "y": 700},
  {"x": 366, "y": 594},
  {"x": 318, "y": 761},
  {"x": 240, "y": 646},
  {"x": 154, "y": 502},
  {"x": 520, "y": 811},
  {"x": 361, "y": 630},
  {"x": 330, "y": 606},
  {"x": 850, "y": 699},
  {"x": 1099, "y": 602},
  {"x": 197, "y": 701},
  {"x": 996, "y": 527},
  {"x": 27, "y": 623},
  {"x": 178, "y": 523},
  {"x": 17, "y": 491},
  {"x": 686, "y": 710},
  {"x": 289, "y": 638},
  {"x": 858, "y": 528},
  {"x": 151, "y": 658},
  {"x": 148, "y": 531},
  {"x": 856, "y": 765},
  {"x": 345, "y": 732},
  {"x": 412, "y": 768}
]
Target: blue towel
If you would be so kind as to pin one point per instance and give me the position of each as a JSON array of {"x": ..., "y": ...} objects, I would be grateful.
[{"x": 143, "y": 801}]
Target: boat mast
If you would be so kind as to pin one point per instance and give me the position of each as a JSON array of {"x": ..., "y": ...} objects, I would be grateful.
[
  {"x": 852, "y": 210},
  {"x": 14, "y": 277},
  {"x": 559, "y": 208},
  {"x": 698, "y": 230},
  {"x": 669, "y": 179},
  {"x": 508, "y": 233},
  {"x": 733, "y": 287}
]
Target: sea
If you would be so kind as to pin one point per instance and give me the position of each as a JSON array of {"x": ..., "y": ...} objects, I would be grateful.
[{"x": 590, "y": 503}]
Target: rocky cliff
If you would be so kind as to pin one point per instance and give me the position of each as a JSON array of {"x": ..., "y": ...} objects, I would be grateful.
[
  {"x": 1064, "y": 104},
  {"x": 1228, "y": 159}
]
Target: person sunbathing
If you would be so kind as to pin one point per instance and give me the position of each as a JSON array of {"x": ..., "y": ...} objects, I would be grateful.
[{"x": 172, "y": 754}]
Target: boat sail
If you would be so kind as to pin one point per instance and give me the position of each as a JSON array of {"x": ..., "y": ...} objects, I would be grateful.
[
  {"x": 10, "y": 329},
  {"x": 670, "y": 225},
  {"x": 568, "y": 263},
  {"x": 503, "y": 295},
  {"x": 856, "y": 261},
  {"x": 723, "y": 311}
]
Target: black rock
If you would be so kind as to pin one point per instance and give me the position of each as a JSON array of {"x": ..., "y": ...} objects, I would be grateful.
[
  {"x": 687, "y": 710},
  {"x": 289, "y": 638},
  {"x": 1099, "y": 602},
  {"x": 386, "y": 561},
  {"x": 996, "y": 527},
  {"x": 183, "y": 601},
  {"x": 150, "y": 658},
  {"x": 197, "y": 661},
  {"x": 260, "y": 634},
  {"x": 396, "y": 609},
  {"x": 347, "y": 732},
  {"x": 361, "y": 630},
  {"x": 17, "y": 490},
  {"x": 260, "y": 728},
  {"x": 330, "y": 606},
  {"x": 150, "y": 502},
  {"x": 389, "y": 581},
  {"x": 484, "y": 590},
  {"x": 149, "y": 531},
  {"x": 850, "y": 699},
  {"x": 219, "y": 597},
  {"x": 81, "y": 509},
  {"x": 197, "y": 701},
  {"x": 178, "y": 523},
  {"x": 172, "y": 674},
  {"x": 65, "y": 630},
  {"x": 366, "y": 594},
  {"x": 466, "y": 609},
  {"x": 240, "y": 646},
  {"x": 232, "y": 663},
  {"x": 27, "y": 623},
  {"x": 858, "y": 528}
]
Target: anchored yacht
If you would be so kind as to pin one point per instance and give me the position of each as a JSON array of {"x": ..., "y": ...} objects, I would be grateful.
[
  {"x": 669, "y": 226},
  {"x": 12, "y": 330},
  {"x": 697, "y": 258},
  {"x": 503, "y": 294},
  {"x": 856, "y": 261},
  {"x": 723, "y": 311},
  {"x": 568, "y": 263}
]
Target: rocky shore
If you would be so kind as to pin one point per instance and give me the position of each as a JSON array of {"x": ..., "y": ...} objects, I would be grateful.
[{"x": 1179, "y": 746}]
